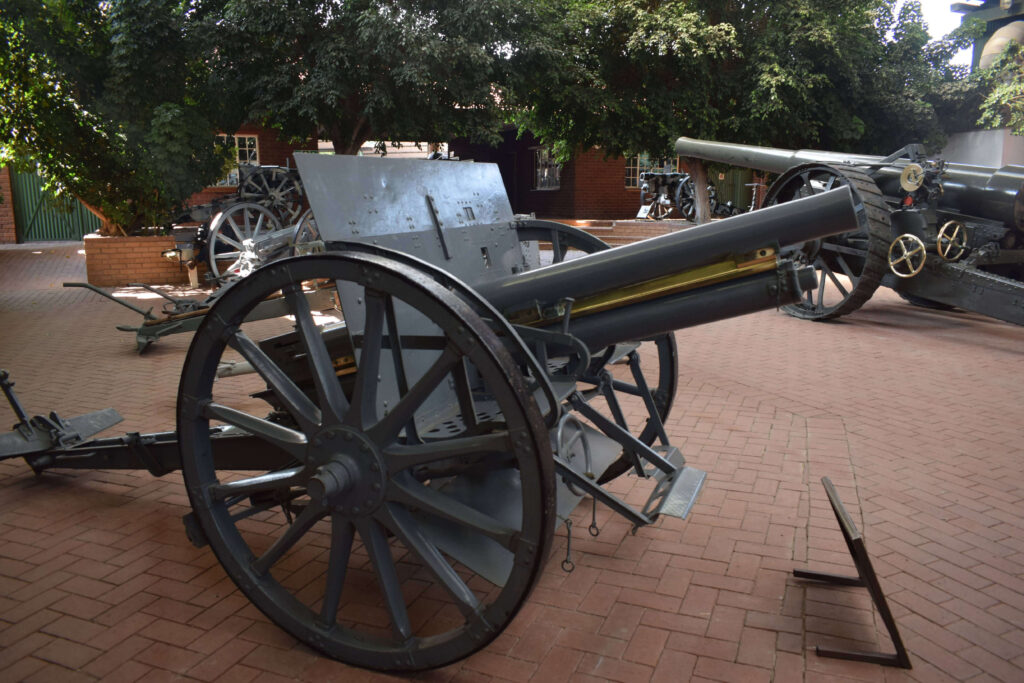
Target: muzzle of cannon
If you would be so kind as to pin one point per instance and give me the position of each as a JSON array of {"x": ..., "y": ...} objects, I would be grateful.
[
  {"x": 384, "y": 481},
  {"x": 942, "y": 234}
]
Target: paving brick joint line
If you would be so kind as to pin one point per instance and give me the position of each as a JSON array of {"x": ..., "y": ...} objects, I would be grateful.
[{"x": 910, "y": 412}]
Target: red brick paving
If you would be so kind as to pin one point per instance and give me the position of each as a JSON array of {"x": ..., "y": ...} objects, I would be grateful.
[{"x": 914, "y": 414}]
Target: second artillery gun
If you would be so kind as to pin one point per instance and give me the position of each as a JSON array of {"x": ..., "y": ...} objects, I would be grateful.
[
  {"x": 387, "y": 488},
  {"x": 940, "y": 234}
]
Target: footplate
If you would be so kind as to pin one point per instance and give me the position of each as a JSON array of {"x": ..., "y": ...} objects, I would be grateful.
[{"x": 676, "y": 493}]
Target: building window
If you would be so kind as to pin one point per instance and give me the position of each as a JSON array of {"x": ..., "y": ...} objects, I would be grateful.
[
  {"x": 643, "y": 162},
  {"x": 546, "y": 171},
  {"x": 247, "y": 152}
]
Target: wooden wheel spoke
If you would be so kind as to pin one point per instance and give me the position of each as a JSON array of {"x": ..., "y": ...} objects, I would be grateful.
[
  {"x": 821, "y": 285},
  {"x": 385, "y": 431},
  {"x": 309, "y": 516},
  {"x": 248, "y": 222},
  {"x": 364, "y": 395},
  {"x": 399, "y": 521},
  {"x": 288, "y": 440},
  {"x": 832, "y": 276},
  {"x": 259, "y": 224},
  {"x": 845, "y": 267},
  {"x": 333, "y": 404},
  {"x": 380, "y": 556},
  {"x": 411, "y": 493},
  {"x": 557, "y": 249},
  {"x": 262, "y": 482},
  {"x": 235, "y": 243},
  {"x": 337, "y": 567},
  {"x": 398, "y": 359},
  {"x": 402, "y": 457},
  {"x": 294, "y": 400}
]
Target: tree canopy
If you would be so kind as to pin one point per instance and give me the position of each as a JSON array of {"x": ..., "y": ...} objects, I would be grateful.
[
  {"x": 111, "y": 100},
  {"x": 1004, "y": 104},
  {"x": 365, "y": 70},
  {"x": 838, "y": 74},
  {"x": 119, "y": 101}
]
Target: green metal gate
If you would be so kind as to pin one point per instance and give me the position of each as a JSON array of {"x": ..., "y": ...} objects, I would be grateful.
[{"x": 39, "y": 218}]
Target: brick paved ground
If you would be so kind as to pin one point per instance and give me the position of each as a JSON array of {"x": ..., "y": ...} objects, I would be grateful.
[{"x": 914, "y": 414}]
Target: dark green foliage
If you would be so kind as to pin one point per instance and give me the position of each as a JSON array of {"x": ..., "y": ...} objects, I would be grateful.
[
  {"x": 836, "y": 74},
  {"x": 111, "y": 100},
  {"x": 368, "y": 70},
  {"x": 1004, "y": 105}
]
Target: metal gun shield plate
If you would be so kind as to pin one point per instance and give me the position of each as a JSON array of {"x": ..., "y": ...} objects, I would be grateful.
[{"x": 332, "y": 547}]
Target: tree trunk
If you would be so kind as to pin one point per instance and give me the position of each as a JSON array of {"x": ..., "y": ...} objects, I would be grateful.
[
  {"x": 699, "y": 175},
  {"x": 107, "y": 227},
  {"x": 349, "y": 141}
]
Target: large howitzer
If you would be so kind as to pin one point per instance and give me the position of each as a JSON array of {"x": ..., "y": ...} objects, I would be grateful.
[
  {"x": 387, "y": 488},
  {"x": 940, "y": 234}
]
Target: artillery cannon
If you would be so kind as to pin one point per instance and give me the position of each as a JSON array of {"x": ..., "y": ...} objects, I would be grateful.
[
  {"x": 940, "y": 234},
  {"x": 386, "y": 487}
]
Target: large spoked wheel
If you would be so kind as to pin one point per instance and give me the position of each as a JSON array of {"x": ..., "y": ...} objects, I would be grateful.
[
  {"x": 686, "y": 202},
  {"x": 553, "y": 243},
  {"x": 239, "y": 237},
  {"x": 306, "y": 234},
  {"x": 276, "y": 188},
  {"x": 411, "y": 508},
  {"x": 850, "y": 266}
]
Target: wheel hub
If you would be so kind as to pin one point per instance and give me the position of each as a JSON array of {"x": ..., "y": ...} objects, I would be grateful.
[{"x": 349, "y": 475}]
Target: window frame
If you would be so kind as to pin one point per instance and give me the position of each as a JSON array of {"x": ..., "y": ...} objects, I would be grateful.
[
  {"x": 542, "y": 160},
  {"x": 241, "y": 146},
  {"x": 640, "y": 163}
]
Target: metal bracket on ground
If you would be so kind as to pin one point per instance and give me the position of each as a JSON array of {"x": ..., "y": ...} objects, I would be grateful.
[{"x": 865, "y": 577}]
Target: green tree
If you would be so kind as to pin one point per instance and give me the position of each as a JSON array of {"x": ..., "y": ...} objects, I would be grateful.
[
  {"x": 839, "y": 74},
  {"x": 1004, "y": 104},
  {"x": 111, "y": 101},
  {"x": 369, "y": 70}
]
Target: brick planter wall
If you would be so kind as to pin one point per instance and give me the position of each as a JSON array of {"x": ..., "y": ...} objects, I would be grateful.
[
  {"x": 118, "y": 261},
  {"x": 8, "y": 232}
]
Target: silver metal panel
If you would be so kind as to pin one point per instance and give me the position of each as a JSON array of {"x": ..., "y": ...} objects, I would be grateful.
[
  {"x": 498, "y": 493},
  {"x": 417, "y": 206},
  {"x": 455, "y": 215}
]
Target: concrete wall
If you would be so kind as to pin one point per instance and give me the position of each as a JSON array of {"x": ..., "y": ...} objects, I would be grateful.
[{"x": 995, "y": 148}]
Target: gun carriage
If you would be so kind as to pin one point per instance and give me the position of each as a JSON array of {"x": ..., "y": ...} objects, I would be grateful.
[
  {"x": 386, "y": 487},
  {"x": 940, "y": 234}
]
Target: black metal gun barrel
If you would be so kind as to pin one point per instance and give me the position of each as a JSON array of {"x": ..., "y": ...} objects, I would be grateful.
[
  {"x": 625, "y": 267},
  {"x": 982, "y": 191},
  {"x": 783, "y": 225}
]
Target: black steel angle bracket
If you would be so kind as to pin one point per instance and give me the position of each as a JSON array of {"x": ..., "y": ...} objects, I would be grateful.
[{"x": 867, "y": 578}]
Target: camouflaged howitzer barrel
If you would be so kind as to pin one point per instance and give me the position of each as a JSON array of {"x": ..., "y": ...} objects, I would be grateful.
[{"x": 942, "y": 234}]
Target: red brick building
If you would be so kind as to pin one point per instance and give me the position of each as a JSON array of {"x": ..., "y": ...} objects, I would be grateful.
[
  {"x": 254, "y": 145},
  {"x": 588, "y": 185}
]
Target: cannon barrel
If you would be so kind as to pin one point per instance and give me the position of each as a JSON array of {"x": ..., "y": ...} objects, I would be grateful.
[
  {"x": 649, "y": 287},
  {"x": 981, "y": 191}
]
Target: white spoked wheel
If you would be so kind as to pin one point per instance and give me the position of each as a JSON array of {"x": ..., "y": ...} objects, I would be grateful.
[{"x": 239, "y": 240}]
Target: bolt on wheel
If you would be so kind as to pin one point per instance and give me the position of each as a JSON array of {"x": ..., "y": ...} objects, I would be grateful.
[{"x": 394, "y": 504}]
